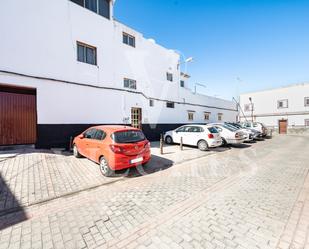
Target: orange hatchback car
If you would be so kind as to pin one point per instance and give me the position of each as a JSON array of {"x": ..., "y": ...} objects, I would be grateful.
[{"x": 113, "y": 147}]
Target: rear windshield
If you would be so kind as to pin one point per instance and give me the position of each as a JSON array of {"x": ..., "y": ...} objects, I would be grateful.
[
  {"x": 235, "y": 125},
  {"x": 212, "y": 130},
  {"x": 130, "y": 136},
  {"x": 230, "y": 128}
]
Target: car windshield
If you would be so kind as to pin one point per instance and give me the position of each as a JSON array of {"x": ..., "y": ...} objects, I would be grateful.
[
  {"x": 236, "y": 125},
  {"x": 130, "y": 136},
  {"x": 212, "y": 130},
  {"x": 230, "y": 128}
]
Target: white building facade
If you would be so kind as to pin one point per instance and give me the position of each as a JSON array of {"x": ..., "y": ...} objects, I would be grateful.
[
  {"x": 66, "y": 65},
  {"x": 286, "y": 109}
]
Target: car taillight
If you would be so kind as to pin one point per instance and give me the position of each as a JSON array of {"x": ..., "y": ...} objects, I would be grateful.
[
  {"x": 116, "y": 149},
  {"x": 210, "y": 135}
]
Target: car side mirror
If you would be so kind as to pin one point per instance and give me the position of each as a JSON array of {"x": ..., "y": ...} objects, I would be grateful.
[{"x": 81, "y": 136}]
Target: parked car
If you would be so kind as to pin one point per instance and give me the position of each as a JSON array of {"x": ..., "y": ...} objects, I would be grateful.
[
  {"x": 250, "y": 133},
  {"x": 229, "y": 134},
  {"x": 260, "y": 127},
  {"x": 202, "y": 136},
  {"x": 113, "y": 147}
]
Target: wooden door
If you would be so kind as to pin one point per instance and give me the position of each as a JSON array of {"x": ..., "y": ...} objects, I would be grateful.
[
  {"x": 17, "y": 116},
  {"x": 136, "y": 117},
  {"x": 283, "y": 125}
]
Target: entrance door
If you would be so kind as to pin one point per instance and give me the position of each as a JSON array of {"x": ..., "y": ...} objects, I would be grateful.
[
  {"x": 136, "y": 117},
  {"x": 17, "y": 115},
  {"x": 283, "y": 124}
]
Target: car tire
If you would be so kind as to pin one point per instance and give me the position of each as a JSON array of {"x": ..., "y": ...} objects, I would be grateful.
[
  {"x": 76, "y": 152},
  {"x": 224, "y": 143},
  {"x": 168, "y": 140},
  {"x": 104, "y": 167},
  {"x": 202, "y": 145}
]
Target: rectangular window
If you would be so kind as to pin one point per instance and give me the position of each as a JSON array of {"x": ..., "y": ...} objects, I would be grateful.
[
  {"x": 151, "y": 102},
  {"x": 190, "y": 116},
  {"x": 100, "y": 7},
  {"x": 220, "y": 116},
  {"x": 79, "y": 2},
  {"x": 307, "y": 122},
  {"x": 282, "y": 104},
  {"x": 206, "y": 116},
  {"x": 169, "y": 76},
  {"x": 306, "y": 101},
  {"x": 86, "y": 53},
  {"x": 128, "y": 83},
  {"x": 170, "y": 104},
  {"x": 182, "y": 83},
  {"x": 128, "y": 39},
  {"x": 91, "y": 5},
  {"x": 104, "y": 8}
]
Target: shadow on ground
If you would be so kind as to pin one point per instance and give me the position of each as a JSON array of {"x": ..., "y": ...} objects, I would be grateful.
[{"x": 7, "y": 198}]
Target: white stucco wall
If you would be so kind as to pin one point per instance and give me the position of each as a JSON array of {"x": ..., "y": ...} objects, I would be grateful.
[
  {"x": 39, "y": 39},
  {"x": 266, "y": 105}
]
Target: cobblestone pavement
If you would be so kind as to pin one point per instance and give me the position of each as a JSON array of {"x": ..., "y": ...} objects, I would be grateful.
[
  {"x": 250, "y": 197},
  {"x": 36, "y": 176},
  {"x": 29, "y": 177}
]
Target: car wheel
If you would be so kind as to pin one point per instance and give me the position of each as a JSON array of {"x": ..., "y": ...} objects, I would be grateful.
[
  {"x": 169, "y": 140},
  {"x": 224, "y": 143},
  {"x": 202, "y": 145},
  {"x": 76, "y": 152},
  {"x": 104, "y": 167}
]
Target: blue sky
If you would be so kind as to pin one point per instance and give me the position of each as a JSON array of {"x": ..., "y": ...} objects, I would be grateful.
[{"x": 263, "y": 42}]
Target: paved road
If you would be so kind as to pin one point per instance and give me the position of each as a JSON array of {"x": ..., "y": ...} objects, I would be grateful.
[{"x": 251, "y": 197}]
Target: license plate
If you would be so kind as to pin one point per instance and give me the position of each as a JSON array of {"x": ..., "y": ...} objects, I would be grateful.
[{"x": 137, "y": 160}]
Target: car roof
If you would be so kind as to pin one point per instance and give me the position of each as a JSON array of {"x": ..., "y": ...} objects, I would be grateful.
[
  {"x": 199, "y": 125},
  {"x": 114, "y": 128}
]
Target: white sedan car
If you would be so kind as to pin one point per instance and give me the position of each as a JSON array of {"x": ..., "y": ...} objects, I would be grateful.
[
  {"x": 230, "y": 135},
  {"x": 202, "y": 136}
]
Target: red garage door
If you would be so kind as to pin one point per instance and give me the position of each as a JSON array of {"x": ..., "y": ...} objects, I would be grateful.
[{"x": 17, "y": 115}]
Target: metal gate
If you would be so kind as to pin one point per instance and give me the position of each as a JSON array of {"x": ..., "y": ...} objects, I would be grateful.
[{"x": 17, "y": 116}]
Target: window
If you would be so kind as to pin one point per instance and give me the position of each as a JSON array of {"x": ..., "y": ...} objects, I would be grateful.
[
  {"x": 190, "y": 116},
  {"x": 306, "y": 122},
  {"x": 212, "y": 130},
  {"x": 169, "y": 76},
  {"x": 100, "y": 7},
  {"x": 99, "y": 135},
  {"x": 195, "y": 129},
  {"x": 86, "y": 53},
  {"x": 170, "y": 104},
  {"x": 181, "y": 129},
  {"x": 220, "y": 116},
  {"x": 206, "y": 116},
  {"x": 90, "y": 134},
  {"x": 79, "y": 2},
  {"x": 129, "y": 136},
  {"x": 127, "y": 83},
  {"x": 151, "y": 102},
  {"x": 306, "y": 101},
  {"x": 282, "y": 103},
  {"x": 182, "y": 83},
  {"x": 219, "y": 129},
  {"x": 128, "y": 39}
]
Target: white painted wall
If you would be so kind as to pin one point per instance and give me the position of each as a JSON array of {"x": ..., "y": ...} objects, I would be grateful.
[
  {"x": 39, "y": 39},
  {"x": 266, "y": 105}
]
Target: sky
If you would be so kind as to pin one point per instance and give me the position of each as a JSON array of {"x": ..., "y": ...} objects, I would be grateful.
[{"x": 237, "y": 45}]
